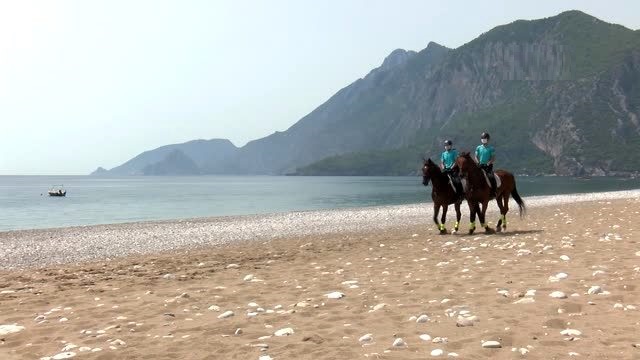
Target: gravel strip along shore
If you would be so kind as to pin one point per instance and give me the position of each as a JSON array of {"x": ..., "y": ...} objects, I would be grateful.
[{"x": 38, "y": 248}]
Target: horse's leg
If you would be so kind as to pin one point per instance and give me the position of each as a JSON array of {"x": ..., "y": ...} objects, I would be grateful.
[
  {"x": 473, "y": 206},
  {"x": 505, "y": 211},
  {"x": 436, "y": 211},
  {"x": 443, "y": 229},
  {"x": 483, "y": 211},
  {"x": 499, "y": 200},
  {"x": 458, "y": 215}
]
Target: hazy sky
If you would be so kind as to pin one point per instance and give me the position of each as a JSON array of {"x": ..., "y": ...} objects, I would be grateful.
[{"x": 93, "y": 83}]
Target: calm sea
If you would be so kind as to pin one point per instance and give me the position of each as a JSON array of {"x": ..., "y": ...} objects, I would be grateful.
[{"x": 24, "y": 203}]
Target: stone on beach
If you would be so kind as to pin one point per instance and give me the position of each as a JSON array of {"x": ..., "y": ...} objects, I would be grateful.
[
  {"x": 558, "y": 295},
  {"x": 284, "y": 332},
  {"x": 557, "y": 277},
  {"x": 335, "y": 295},
  {"x": 63, "y": 355},
  {"x": 464, "y": 321},
  {"x": 571, "y": 332},
  {"x": 422, "y": 319},
  {"x": 526, "y": 300},
  {"x": 225, "y": 314},
  {"x": 10, "y": 329},
  {"x": 399, "y": 342},
  {"x": 491, "y": 344},
  {"x": 594, "y": 290},
  {"x": 437, "y": 352},
  {"x": 367, "y": 338},
  {"x": 69, "y": 347}
]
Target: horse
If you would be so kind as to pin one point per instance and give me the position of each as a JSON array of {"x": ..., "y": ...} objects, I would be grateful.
[
  {"x": 478, "y": 193},
  {"x": 442, "y": 194}
]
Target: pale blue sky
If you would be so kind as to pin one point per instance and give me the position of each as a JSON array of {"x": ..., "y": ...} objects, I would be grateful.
[{"x": 93, "y": 83}]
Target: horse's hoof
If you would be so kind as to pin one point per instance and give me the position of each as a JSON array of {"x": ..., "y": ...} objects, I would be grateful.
[
  {"x": 471, "y": 231},
  {"x": 443, "y": 232},
  {"x": 454, "y": 231},
  {"x": 498, "y": 229},
  {"x": 489, "y": 230}
]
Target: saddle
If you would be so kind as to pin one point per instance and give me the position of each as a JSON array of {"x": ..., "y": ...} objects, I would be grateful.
[
  {"x": 496, "y": 177},
  {"x": 487, "y": 170},
  {"x": 458, "y": 185}
]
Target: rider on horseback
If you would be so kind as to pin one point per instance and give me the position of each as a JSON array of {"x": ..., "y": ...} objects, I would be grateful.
[
  {"x": 485, "y": 156},
  {"x": 448, "y": 165}
]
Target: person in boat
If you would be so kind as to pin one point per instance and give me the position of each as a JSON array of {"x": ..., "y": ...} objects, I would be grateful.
[
  {"x": 485, "y": 157},
  {"x": 448, "y": 165}
]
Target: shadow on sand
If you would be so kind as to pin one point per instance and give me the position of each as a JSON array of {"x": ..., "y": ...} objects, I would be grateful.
[{"x": 504, "y": 233}]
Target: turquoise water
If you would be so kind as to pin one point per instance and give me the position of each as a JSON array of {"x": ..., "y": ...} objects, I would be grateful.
[{"x": 113, "y": 200}]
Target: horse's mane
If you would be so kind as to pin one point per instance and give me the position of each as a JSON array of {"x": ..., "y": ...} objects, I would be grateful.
[
  {"x": 465, "y": 154},
  {"x": 430, "y": 163}
]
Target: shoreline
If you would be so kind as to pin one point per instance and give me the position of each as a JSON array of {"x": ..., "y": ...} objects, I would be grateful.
[{"x": 57, "y": 246}]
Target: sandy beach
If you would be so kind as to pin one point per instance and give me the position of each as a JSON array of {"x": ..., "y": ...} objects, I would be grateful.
[{"x": 344, "y": 284}]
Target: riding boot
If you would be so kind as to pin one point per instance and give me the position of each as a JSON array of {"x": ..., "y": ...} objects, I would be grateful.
[
  {"x": 492, "y": 180},
  {"x": 458, "y": 185}
]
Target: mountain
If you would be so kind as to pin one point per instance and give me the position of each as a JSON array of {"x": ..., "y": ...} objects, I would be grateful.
[
  {"x": 175, "y": 163},
  {"x": 204, "y": 154},
  {"x": 559, "y": 95}
]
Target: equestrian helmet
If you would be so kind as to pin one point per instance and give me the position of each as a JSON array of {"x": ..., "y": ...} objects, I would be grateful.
[
  {"x": 485, "y": 135},
  {"x": 448, "y": 143}
]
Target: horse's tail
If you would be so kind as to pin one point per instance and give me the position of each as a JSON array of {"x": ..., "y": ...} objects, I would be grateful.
[{"x": 518, "y": 200}]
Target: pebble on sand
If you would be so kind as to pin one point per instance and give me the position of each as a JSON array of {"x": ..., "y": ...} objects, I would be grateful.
[
  {"x": 558, "y": 295},
  {"x": 64, "y": 355},
  {"x": 422, "y": 319},
  {"x": 594, "y": 290},
  {"x": 491, "y": 344},
  {"x": 10, "y": 329},
  {"x": 335, "y": 295},
  {"x": 425, "y": 337},
  {"x": 284, "y": 332},
  {"x": 366, "y": 338},
  {"x": 225, "y": 314},
  {"x": 571, "y": 332},
  {"x": 527, "y": 300},
  {"x": 565, "y": 258},
  {"x": 463, "y": 321},
  {"x": 437, "y": 352},
  {"x": 399, "y": 342}
]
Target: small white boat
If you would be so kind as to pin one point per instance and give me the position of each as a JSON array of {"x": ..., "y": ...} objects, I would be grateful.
[{"x": 57, "y": 190}]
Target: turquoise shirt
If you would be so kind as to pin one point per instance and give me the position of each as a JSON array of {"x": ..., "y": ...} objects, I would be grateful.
[
  {"x": 484, "y": 153},
  {"x": 448, "y": 158}
]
